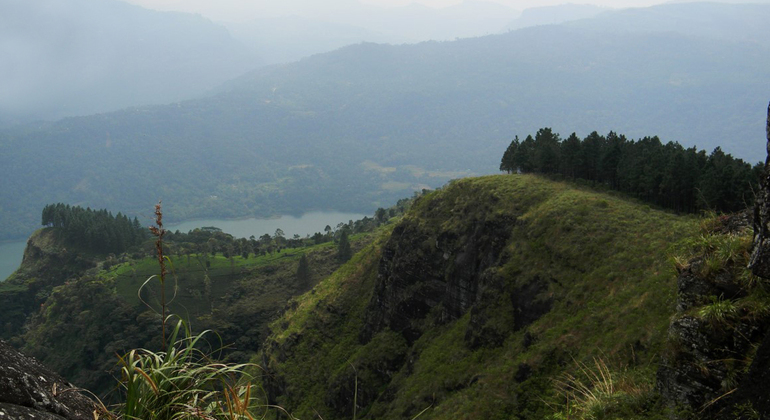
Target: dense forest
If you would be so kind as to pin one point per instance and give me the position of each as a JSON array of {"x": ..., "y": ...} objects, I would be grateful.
[
  {"x": 96, "y": 230},
  {"x": 668, "y": 175}
]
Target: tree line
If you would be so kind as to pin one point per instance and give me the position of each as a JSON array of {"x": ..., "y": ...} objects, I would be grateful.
[
  {"x": 668, "y": 175},
  {"x": 95, "y": 230}
]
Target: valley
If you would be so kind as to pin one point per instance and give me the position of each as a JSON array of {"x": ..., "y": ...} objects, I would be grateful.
[{"x": 379, "y": 211}]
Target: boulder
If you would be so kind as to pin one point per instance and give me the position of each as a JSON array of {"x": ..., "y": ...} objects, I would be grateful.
[{"x": 30, "y": 390}]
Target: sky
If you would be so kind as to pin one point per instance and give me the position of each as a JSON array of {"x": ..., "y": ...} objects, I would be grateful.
[{"x": 240, "y": 10}]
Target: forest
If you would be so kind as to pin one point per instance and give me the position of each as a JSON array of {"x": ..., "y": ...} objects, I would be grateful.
[
  {"x": 95, "y": 230},
  {"x": 668, "y": 175}
]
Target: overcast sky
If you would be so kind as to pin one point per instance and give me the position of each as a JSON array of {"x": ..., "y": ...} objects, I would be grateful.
[{"x": 239, "y": 10}]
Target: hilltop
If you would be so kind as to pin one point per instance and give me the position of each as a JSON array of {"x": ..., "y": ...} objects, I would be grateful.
[
  {"x": 519, "y": 297},
  {"x": 478, "y": 300}
]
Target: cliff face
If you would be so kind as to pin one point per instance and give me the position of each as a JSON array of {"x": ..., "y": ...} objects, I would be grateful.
[
  {"x": 476, "y": 300},
  {"x": 421, "y": 272},
  {"x": 46, "y": 264},
  {"x": 718, "y": 358}
]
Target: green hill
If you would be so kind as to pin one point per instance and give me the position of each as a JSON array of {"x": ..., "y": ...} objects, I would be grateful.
[
  {"x": 75, "y": 310},
  {"x": 488, "y": 300}
]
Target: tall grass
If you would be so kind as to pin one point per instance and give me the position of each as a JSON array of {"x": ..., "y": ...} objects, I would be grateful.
[{"x": 182, "y": 382}]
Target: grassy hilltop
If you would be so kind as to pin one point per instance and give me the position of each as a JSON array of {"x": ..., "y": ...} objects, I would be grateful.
[{"x": 568, "y": 281}]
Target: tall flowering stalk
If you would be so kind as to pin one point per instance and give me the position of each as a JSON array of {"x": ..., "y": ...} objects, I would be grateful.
[{"x": 158, "y": 231}]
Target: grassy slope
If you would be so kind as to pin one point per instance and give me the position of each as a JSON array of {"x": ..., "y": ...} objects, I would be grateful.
[
  {"x": 609, "y": 275},
  {"x": 86, "y": 321}
]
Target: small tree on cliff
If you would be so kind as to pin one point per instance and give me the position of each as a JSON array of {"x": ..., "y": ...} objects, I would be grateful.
[
  {"x": 303, "y": 269},
  {"x": 344, "y": 252}
]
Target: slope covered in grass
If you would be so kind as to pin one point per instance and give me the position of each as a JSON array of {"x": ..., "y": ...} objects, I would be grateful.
[
  {"x": 493, "y": 298},
  {"x": 77, "y": 319}
]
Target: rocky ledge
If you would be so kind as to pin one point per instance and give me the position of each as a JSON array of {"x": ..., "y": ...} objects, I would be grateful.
[{"x": 29, "y": 390}]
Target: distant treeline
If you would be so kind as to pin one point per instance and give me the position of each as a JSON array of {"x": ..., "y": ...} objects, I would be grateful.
[
  {"x": 95, "y": 230},
  {"x": 668, "y": 175}
]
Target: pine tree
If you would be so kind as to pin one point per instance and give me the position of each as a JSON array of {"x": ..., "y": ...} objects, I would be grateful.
[
  {"x": 303, "y": 270},
  {"x": 343, "y": 249}
]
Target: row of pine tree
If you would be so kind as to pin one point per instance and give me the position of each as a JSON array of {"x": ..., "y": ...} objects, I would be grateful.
[
  {"x": 96, "y": 230},
  {"x": 668, "y": 175}
]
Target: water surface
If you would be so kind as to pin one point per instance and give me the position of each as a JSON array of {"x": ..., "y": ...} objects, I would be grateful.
[
  {"x": 307, "y": 224},
  {"x": 10, "y": 257}
]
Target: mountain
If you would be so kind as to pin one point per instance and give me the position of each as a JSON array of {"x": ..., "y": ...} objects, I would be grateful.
[
  {"x": 290, "y": 38},
  {"x": 551, "y": 15},
  {"x": 88, "y": 56},
  {"x": 517, "y": 297},
  {"x": 285, "y": 38},
  {"x": 367, "y": 124}
]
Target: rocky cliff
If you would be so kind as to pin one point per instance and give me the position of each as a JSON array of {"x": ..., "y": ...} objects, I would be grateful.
[
  {"x": 47, "y": 263},
  {"x": 717, "y": 363}
]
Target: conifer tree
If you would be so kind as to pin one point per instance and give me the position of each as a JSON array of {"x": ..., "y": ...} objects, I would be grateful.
[
  {"x": 344, "y": 252},
  {"x": 303, "y": 269}
]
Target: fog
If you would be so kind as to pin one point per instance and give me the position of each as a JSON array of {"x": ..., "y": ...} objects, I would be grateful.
[{"x": 82, "y": 57}]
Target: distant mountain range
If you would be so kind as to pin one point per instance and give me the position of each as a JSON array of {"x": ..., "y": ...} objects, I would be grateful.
[
  {"x": 359, "y": 127},
  {"x": 86, "y": 56}
]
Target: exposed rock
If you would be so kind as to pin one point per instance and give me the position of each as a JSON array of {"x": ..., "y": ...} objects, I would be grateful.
[
  {"x": 704, "y": 363},
  {"x": 422, "y": 270},
  {"x": 704, "y": 368},
  {"x": 760, "y": 255},
  {"x": 753, "y": 389},
  {"x": 695, "y": 290},
  {"x": 30, "y": 390}
]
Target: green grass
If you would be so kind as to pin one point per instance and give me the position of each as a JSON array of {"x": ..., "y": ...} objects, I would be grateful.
[{"x": 606, "y": 262}]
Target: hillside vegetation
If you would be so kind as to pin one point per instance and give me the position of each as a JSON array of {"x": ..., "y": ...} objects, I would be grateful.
[
  {"x": 495, "y": 298},
  {"x": 74, "y": 308}
]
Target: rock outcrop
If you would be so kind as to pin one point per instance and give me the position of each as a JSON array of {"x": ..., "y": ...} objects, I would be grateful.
[
  {"x": 760, "y": 255},
  {"x": 46, "y": 264},
  {"x": 720, "y": 367},
  {"x": 707, "y": 350},
  {"x": 753, "y": 389},
  {"x": 29, "y": 390},
  {"x": 422, "y": 271}
]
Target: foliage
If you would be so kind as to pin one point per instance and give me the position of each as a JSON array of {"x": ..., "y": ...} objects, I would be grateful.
[
  {"x": 343, "y": 248},
  {"x": 719, "y": 312},
  {"x": 184, "y": 383},
  {"x": 667, "y": 175},
  {"x": 94, "y": 230},
  {"x": 303, "y": 269}
]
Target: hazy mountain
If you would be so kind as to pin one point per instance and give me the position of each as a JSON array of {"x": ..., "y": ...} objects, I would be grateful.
[
  {"x": 280, "y": 39},
  {"x": 86, "y": 56},
  {"x": 549, "y": 15},
  {"x": 360, "y": 127},
  {"x": 739, "y": 22},
  {"x": 289, "y": 38}
]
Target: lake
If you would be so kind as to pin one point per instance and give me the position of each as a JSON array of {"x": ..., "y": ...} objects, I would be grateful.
[
  {"x": 10, "y": 257},
  {"x": 309, "y": 223}
]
